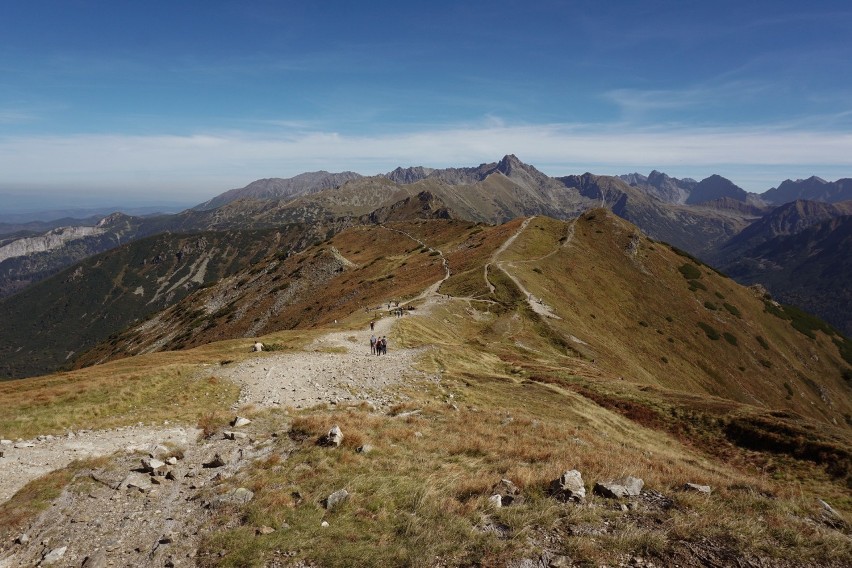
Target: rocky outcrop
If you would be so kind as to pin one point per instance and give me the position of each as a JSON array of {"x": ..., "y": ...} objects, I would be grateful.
[{"x": 53, "y": 239}]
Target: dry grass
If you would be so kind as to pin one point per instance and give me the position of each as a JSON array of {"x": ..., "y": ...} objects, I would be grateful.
[
  {"x": 421, "y": 493},
  {"x": 147, "y": 389}
]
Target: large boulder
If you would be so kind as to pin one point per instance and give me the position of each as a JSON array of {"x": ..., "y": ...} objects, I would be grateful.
[
  {"x": 569, "y": 487},
  {"x": 616, "y": 489}
]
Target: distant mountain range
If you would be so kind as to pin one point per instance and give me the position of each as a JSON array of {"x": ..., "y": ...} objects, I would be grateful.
[{"x": 813, "y": 189}]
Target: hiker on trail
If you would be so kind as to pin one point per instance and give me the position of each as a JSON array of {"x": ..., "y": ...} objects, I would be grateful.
[
  {"x": 384, "y": 342},
  {"x": 372, "y": 345},
  {"x": 372, "y": 325}
]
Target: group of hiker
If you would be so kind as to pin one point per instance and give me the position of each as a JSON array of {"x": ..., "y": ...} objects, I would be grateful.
[{"x": 378, "y": 345}]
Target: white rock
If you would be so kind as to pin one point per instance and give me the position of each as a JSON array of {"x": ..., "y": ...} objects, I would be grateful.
[
  {"x": 496, "y": 500},
  {"x": 698, "y": 488},
  {"x": 334, "y": 437},
  {"x": 53, "y": 556},
  {"x": 324, "y": 524},
  {"x": 172, "y": 461},
  {"x": 152, "y": 464},
  {"x": 6, "y": 442},
  {"x": 21, "y": 445},
  {"x": 239, "y": 421}
]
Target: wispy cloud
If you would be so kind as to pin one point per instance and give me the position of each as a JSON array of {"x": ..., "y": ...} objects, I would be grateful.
[
  {"x": 16, "y": 116},
  {"x": 204, "y": 164},
  {"x": 639, "y": 104}
]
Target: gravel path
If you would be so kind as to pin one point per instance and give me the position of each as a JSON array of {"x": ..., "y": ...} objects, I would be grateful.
[
  {"x": 336, "y": 368},
  {"x": 28, "y": 459}
]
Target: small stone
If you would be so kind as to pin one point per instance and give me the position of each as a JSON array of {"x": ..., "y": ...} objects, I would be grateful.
[
  {"x": 172, "y": 461},
  {"x": 23, "y": 538},
  {"x": 152, "y": 464},
  {"x": 217, "y": 461},
  {"x": 96, "y": 560},
  {"x": 265, "y": 530},
  {"x": 698, "y": 488},
  {"x": 235, "y": 435},
  {"x": 239, "y": 496},
  {"x": 324, "y": 524},
  {"x": 239, "y": 422},
  {"x": 6, "y": 442},
  {"x": 137, "y": 481},
  {"x": 829, "y": 509},
  {"x": 22, "y": 445},
  {"x": 53, "y": 556},
  {"x": 336, "y": 498},
  {"x": 365, "y": 449},
  {"x": 334, "y": 437},
  {"x": 495, "y": 501}
]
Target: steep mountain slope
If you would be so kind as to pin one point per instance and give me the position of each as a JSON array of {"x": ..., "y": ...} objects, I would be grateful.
[
  {"x": 660, "y": 185},
  {"x": 811, "y": 268},
  {"x": 715, "y": 187},
  {"x": 811, "y": 189},
  {"x": 32, "y": 258},
  {"x": 788, "y": 219},
  {"x": 278, "y": 188},
  {"x": 50, "y": 323}
]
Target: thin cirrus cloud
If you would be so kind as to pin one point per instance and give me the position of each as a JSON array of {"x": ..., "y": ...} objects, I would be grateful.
[{"x": 204, "y": 163}]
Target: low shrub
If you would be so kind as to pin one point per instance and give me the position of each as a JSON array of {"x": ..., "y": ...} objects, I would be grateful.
[{"x": 709, "y": 331}]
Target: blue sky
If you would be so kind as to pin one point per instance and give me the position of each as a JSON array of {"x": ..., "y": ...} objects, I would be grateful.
[{"x": 179, "y": 101}]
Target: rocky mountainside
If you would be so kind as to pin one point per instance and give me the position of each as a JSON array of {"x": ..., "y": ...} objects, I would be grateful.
[
  {"x": 788, "y": 219},
  {"x": 695, "y": 229},
  {"x": 17, "y": 230},
  {"x": 715, "y": 187},
  {"x": 50, "y": 323},
  {"x": 278, "y": 188},
  {"x": 30, "y": 259},
  {"x": 810, "y": 268},
  {"x": 811, "y": 189},
  {"x": 662, "y": 186}
]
